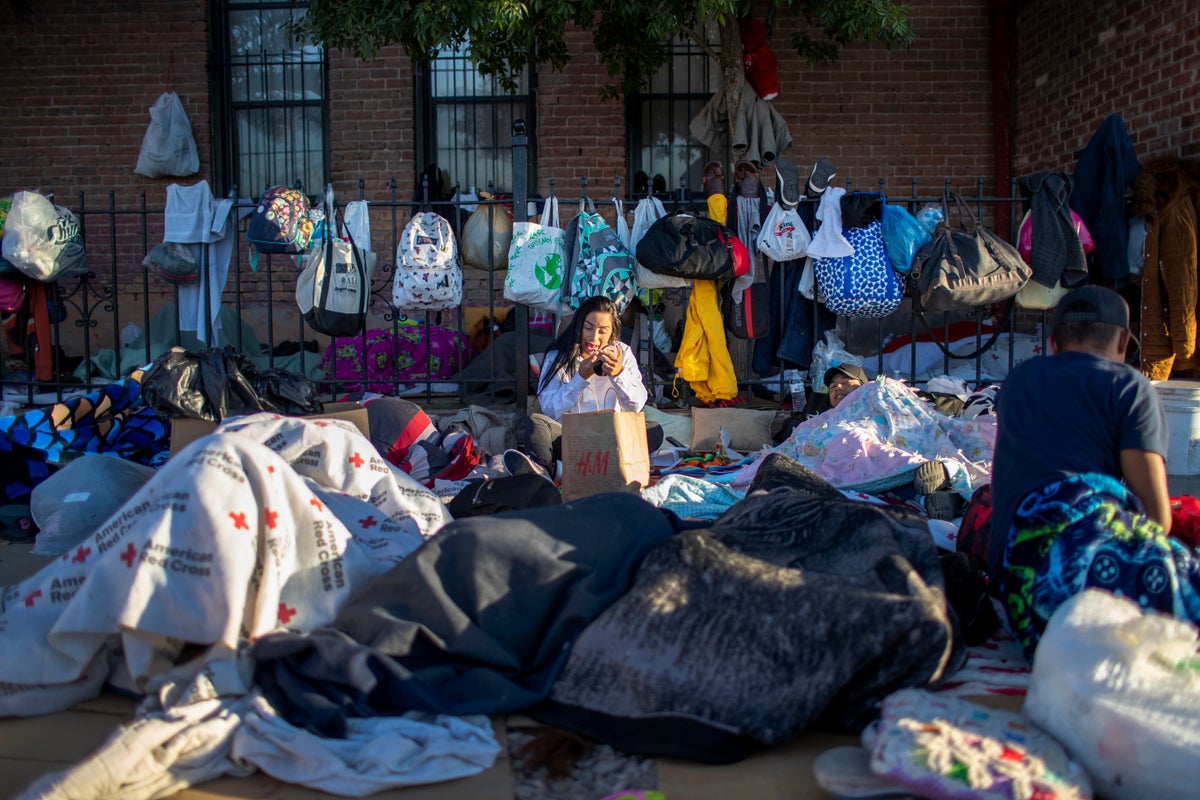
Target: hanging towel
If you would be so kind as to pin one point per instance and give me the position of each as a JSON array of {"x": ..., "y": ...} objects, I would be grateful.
[{"x": 828, "y": 241}]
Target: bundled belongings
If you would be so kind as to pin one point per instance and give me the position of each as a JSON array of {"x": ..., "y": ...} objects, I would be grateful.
[
  {"x": 221, "y": 382},
  {"x": 445, "y": 630},
  {"x": 43, "y": 240}
]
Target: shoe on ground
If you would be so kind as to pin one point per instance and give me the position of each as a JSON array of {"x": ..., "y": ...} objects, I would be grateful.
[
  {"x": 787, "y": 183},
  {"x": 930, "y": 477},
  {"x": 517, "y": 463},
  {"x": 822, "y": 173},
  {"x": 945, "y": 504}
]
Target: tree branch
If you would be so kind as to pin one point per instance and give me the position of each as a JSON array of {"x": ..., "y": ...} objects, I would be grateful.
[{"x": 698, "y": 39}]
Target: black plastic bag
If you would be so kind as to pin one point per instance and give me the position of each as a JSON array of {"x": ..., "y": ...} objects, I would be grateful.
[{"x": 222, "y": 382}]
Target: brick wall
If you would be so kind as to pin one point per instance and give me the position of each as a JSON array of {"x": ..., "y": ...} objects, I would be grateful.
[
  {"x": 1074, "y": 67},
  {"x": 80, "y": 79}
]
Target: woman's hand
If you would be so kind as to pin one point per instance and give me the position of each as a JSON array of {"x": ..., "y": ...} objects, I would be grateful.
[{"x": 610, "y": 357}]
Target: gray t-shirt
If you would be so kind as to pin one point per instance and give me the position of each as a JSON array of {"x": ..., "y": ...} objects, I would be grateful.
[{"x": 1063, "y": 415}]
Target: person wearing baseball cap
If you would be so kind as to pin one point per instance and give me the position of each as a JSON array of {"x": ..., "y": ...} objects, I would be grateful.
[
  {"x": 1079, "y": 484},
  {"x": 842, "y": 380}
]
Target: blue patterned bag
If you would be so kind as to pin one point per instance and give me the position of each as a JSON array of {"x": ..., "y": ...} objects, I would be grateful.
[{"x": 863, "y": 284}]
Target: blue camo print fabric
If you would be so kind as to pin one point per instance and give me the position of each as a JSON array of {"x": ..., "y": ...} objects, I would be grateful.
[
  {"x": 1090, "y": 531},
  {"x": 863, "y": 284}
]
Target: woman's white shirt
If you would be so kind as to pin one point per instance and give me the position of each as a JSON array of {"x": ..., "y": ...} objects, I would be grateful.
[{"x": 625, "y": 392}]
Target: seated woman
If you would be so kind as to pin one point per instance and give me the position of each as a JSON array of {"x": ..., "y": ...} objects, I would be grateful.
[{"x": 588, "y": 368}]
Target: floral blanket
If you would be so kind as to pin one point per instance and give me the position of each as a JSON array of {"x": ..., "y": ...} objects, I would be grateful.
[{"x": 877, "y": 437}]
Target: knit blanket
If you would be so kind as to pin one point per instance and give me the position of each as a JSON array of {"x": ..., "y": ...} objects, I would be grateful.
[{"x": 792, "y": 611}]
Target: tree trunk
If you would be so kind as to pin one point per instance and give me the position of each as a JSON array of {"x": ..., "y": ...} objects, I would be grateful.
[{"x": 733, "y": 77}]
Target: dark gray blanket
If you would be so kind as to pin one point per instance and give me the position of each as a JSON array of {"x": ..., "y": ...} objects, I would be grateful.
[
  {"x": 792, "y": 611},
  {"x": 478, "y": 620}
]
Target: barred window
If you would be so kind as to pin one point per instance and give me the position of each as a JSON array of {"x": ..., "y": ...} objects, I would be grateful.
[
  {"x": 273, "y": 119},
  {"x": 660, "y": 143},
  {"x": 470, "y": 133}
]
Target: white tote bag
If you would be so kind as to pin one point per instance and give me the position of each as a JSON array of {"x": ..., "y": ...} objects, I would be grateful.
[
  {"x": 535, "y": 260},
  {"x": 647, "y": 212}
]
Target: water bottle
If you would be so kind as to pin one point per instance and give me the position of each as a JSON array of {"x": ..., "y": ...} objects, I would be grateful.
[{"x": 794, "y": 379}]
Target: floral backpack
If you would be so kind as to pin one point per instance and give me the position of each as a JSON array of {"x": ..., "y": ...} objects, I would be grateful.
[
  {"x": 428, "y": 267},
  {"x": 280, "y": 223}
]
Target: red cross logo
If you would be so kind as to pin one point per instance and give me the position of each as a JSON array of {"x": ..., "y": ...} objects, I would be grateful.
[
  {"x": 29, "y": 598},
  {"x": 272, "y": 516},
  {"x": 320, "y": 424},
  {"x": 356, "y": 460},
  {"x": 315, "y": 503},
  {"x": 81, "y": 555},
  {"x": 285, "y": 613},
  {"x": 369, "y": 522},
  {"x": 130, "y": 555},
  {"x": 239, "y": 521},
  {"x": 270, "y": 469}
]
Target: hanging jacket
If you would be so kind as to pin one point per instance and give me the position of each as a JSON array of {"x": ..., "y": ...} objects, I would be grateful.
[
  {"x": 1056, "y": 252},
  {"x": 703, "y": 359},
  {"x": 1104, "y": 171},
  {"x": 1168, "y": 195}
]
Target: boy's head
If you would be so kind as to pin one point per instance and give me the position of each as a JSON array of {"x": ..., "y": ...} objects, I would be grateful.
[
  {"x": 842, "y": 380},
  {"x": 1093, "y": 319}
]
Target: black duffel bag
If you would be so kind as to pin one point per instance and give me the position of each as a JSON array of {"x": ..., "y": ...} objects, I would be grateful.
[{"x": 687, "y": 246}]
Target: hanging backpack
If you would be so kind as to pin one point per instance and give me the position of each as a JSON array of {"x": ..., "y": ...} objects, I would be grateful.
[
  {"x": 334, "y": 287},
  {"x": 687, "y": 246},
  {"x": 745, "y": 311},
  {"x": 280, "y": 223},
  {"x": 599, "y": 265},
  {"x": 428, "y": 269},
  {"x": 862, "y": 284}
]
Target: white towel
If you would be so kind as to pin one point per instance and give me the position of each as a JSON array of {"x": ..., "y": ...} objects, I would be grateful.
[{"x": 828, "y": 241}]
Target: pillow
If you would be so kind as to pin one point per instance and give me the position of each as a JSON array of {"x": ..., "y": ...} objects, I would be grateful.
[{"x": 749, "y": 429}]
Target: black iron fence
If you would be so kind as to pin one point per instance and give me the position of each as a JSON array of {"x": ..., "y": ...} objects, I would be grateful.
[{"x": 83, "y": 332}]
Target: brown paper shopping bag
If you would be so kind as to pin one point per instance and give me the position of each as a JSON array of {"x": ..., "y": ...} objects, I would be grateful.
[{"x": 604, "y": 451}]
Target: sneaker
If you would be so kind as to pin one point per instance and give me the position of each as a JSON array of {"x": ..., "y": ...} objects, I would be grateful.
[
  {"x": 787, "y": 183},
  {"x": 517, "y": 463},
  {"x": 822, "y": 173},
  {"x": 931, "y": 477},
  {"x": 945, "y": 504}
]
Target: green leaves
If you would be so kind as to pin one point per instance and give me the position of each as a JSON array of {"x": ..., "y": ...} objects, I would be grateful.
[{"x": 630, "y": 35}]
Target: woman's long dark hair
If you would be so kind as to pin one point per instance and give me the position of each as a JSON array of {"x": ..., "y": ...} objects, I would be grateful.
[{"x": 567, "y": 343}]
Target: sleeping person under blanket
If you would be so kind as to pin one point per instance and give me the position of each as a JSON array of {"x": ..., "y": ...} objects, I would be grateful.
[
  {"x": 883, "y": 435},
  {"x": 588, "y": 368}
]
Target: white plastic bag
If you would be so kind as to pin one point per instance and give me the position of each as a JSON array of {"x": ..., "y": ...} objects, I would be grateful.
[
  {"x": 357, "y": 224},
  {"x": 1120, "y": 688},
  {"x": 168, "y": 147},
  {"x": 535, "y": 260},
  {"x": 43, "y": 240},
  {"x": 783, "y": 236},
  {"x": 827, "y": 354},
  {"x": 648, "y": 210}
]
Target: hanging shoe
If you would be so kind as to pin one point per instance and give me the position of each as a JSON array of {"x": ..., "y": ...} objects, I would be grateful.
[
  {"x": 822, "y": 173},
  {"x": 787, "y": 184},
  {"x": 746, "y": 175},
  {"x": 713, "y": 178}
]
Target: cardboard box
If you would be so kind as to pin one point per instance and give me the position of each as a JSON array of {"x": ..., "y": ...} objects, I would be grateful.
[{"x": 185, "y": 431}]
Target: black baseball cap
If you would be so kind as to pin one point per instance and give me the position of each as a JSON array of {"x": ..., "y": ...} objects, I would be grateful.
[
  {"x": 1092, "y": 304},
  {"x": 850, "y": 370}
]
